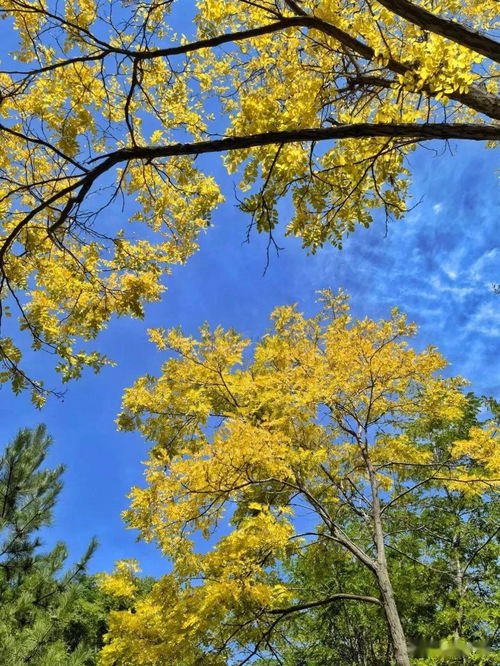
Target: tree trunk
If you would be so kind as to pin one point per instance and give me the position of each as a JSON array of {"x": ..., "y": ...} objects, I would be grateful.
[
  {"x": 392, "y": 615},
  {"x": 382, "y": 572}
]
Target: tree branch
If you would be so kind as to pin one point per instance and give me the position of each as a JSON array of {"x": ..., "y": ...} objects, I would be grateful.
[
  {"x": 475, "y": 132},
  {"x": 322, "y": 602},
  {"x": 478, "y": 550},
  {"x": 452, "y": 30},
  {"x": 419, "y": 131},
  {"x": 475, "y": 98}
]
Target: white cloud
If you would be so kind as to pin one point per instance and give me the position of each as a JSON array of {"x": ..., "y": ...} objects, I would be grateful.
[
  {"x": 459, "y": 292},
  {"x": 485, "y": 267},
  {"x": 485, "y": 320}
]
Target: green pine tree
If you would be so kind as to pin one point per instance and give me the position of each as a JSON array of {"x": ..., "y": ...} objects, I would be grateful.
[{"x": 38, "y": 599}]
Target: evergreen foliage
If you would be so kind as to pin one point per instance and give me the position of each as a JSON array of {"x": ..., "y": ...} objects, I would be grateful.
[{"x": 41, "y": 604}]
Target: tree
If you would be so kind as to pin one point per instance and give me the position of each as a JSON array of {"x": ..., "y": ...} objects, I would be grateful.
[
  {"x": 317, "y": 101},
  {"x": 38, "y": 601},
  {"x": 311, "y": 444},
  {"x": 443, "y": 556}
]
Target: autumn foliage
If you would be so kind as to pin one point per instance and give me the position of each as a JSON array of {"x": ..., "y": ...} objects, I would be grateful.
[
  {"x": 318, "y": 102},
  {"x": 311, "y": 439}
]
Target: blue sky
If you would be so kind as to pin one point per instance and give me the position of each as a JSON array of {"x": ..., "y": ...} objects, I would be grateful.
[{"x": 437, "y": 265}]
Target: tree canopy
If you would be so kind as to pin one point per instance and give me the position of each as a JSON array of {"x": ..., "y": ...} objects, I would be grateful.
[
  {"x": 314, "y": 101},
  {"x": 313, "y": 446}
]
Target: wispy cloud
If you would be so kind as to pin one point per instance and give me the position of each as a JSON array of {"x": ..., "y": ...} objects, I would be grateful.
[{"x": 485, "y": 320}]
